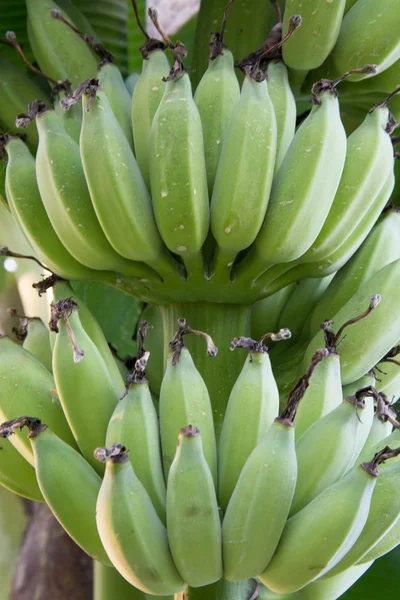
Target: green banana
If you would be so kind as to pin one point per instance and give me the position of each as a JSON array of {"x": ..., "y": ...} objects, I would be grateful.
[
  {"x": 28, "y": 387},
  {"x": 387, "y": 371},
  {"x": 383, "y": 516},
  {"x": 17, "y": 89},
  {"x": 131, "y": 81},
  {"x": 382, "y": 423},
  {"x": 334, "y": 439},
  {"x": 154, "y": 343},
  {"x": 83, "y": 381},
  {"x": 252, "y": 407},
  {"x": 178, "y": 173},
  {"x": 60, "y": 53},
  {"x": 61, "y": 289},
  {"x": 16, "y": 474},
  {"x": 147, "y": 95},
  {"x": 184, "y": 399},
  {"x": 310, "y": 174},
  {"x": 300, "y": 557},
  {"x": 388, "y": 543},
  {"x": 27, "y": 209},
  {"x": 35, "y": 338},
  {"x": 368, "y": 340},
  {"x": 351, "y": 388},
  {"x": 134, "y": 423},
  {"x": 68, "y": 483},
  {"x": 65, "y": 194},
  {"x": 265, "y": 313},
  {"x": 71, "y": 119},
  {"x": 284, "y": 106},
  {"x": 319, "y": 31},
  {"x": 359, "y": 44},
  {"x": 216, "y": 96},
  {"x": 244, "y": 175},
  {"x": 381, "y": 247},
  {"x": 119, "y": 99},
  {"x": 131, "y": 532},
  {"x": 112, "y": 172},
  {"x": 392, "y": 439},
  {"x": 194, "y": 530}
]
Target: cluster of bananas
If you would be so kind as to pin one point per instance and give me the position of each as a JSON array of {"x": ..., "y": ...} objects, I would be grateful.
[
  {"x": 216, "y": 197},
  {"x": 295, "y": 490}
]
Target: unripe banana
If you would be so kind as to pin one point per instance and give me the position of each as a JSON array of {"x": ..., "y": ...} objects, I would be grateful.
[
  {"x": 61, "y": 54},
  {"x": 184, "y": 399},
  {"x": 320, "y": 27},
  {"x": 149, "y": 90},
  {"x": 71, "y": 119},
  {"x": 359, "y": 44},
  {"x": 61, "y": 289},
  {"x": 155, "y": 345},
  {"x": 368, "y": 340},
  {"x": 300, "y": 557},
  {"x": 369, "y": 161},
  {"x": 284, "y": 106},
  {"x": 111, "y": 81},
  {"x": 27, "y": 386},
  {"x": 244, "y": 175},
  {"x": 134, "y": 538},
  {"x": 16, "y": 474},
  {"x": 352, "y": 388},
  {"x": 27, "y": 209},
  {"x": 380, "y": 430},
  {"x": 334, "y": 439},
  {"x": 252, "y": 407},
  {"x": 216, "y": 96},
  {"x": 388, "y": 543},
  {"x": 381, "y": 247},
  {"x": 65, "y": 194},
  {"x": 83, "y": 380},
  {"x": 134, "y": 422},
  {"x": 69, "y": 485},
  {"x": 194, "y": 530},
  {"x": 111, "y": 171},
  {"x": 305, "y": 185},
  {"x": 35, "y": 337},
  {"x": 391, "y": 440},
  {"x": 383, "y": 516},
  {"x": 178, "y": 173}
]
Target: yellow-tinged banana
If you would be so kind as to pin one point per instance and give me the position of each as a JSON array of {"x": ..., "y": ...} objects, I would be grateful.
[
  {"x": 87, "y": 392},
  {"x": 66, "y": 197},
  {"x": 27, "y": 386},
  {"x": 259, "y": 506},
  {"x": 58, "y": 50},
  {"x": 244, "y": 174},
  {"x": 111, "y": 171},
  {"x": 284, "y": 106},
  {"x": 16, "y": 474},
  {"x": 134, "y": 423},
  {"x": 178, "y": 173},
  {"x": 34, "y": 336},
  {"x": 383, "y": 516},
  {"x": 320, "y": 27},
  {"x": 360, "y": 43},
  {"x": 193, "y": 523},
  {"x": 61, "y": 289},
  {"x": 27, "y": 209},
  {"x": 300, "y": 557},
  {"x": 252, "y": 407},
  {"x": 68, "y": 483},
  {"x": 216, "y": 96},
  {"x": 184, "y": 399},
  {"x": 134, "y": 538},
  {"x": 149, "y": 90}
]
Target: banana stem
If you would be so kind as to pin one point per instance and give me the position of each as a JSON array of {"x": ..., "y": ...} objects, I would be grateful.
[
  {"x": 195, "y": 267},
  {"x": 222, "y": 322},
  {"x": 108, "y": 583},
  {"x": 221, "y": 269},
  {"x": 222, "y": 590}
]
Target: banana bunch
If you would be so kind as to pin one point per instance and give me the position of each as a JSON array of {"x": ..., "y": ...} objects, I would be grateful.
[{"x": 259, "y": 208}]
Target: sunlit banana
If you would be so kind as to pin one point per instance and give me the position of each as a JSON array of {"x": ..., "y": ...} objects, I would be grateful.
[
  {"x": 134, "y": 423},
  {"x": 87, "y": 392},
  {"x": 16, "y": 474},
  {"x": 252, "y": 407},
  {"x": 69, "y": 485},
  {"x": 244, "y": 175},
  {"x": 111, "y": 81},
  {"x": 184, "y": 399},
  {"x": 178, "y": 174},
  {"x": 317, "y": 35},
  {"x": 26, "y": 386},
  {"x": 194, "y": 530},
  {"x": 134, "y": 538},
  {"x": 284, "y": 106}
]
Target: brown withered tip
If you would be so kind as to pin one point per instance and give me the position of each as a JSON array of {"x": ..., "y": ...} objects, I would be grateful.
[
  {"x": 379, "y": 458},
  {"x": 189, "y": 431},
  {"x": 117, "y": 453},
  {"x": 34, "y": 425}
]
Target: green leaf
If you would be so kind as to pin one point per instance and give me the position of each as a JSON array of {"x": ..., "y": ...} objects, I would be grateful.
[
  {"x": 116, "y": 312},
  {"x": 381, "y": 581},
  {"x": 13, "y": 18}
]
